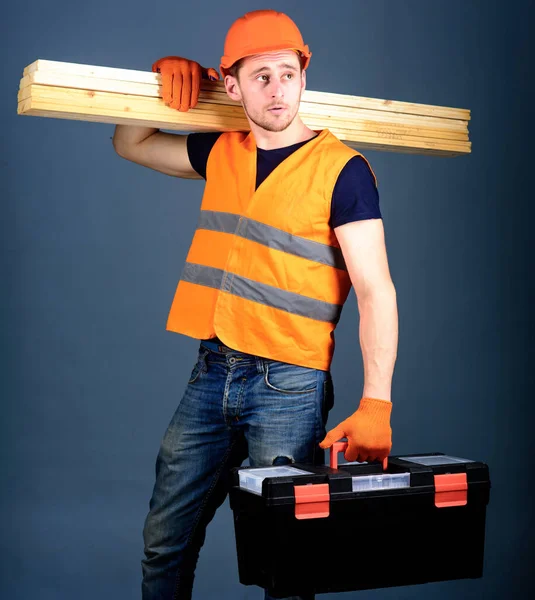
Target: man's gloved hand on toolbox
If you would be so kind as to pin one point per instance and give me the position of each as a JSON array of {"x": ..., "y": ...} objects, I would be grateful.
[
  {"x": 368, "y": 432},
  {"x": 181, "y": 81}
]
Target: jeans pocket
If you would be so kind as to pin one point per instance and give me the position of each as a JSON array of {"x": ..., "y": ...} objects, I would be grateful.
[
  {"x": 200, "y": 366},
  {"x": 328, "y": 397},
  {"x": 194, "y": 374},
  {"x": 289, "y": 379}
]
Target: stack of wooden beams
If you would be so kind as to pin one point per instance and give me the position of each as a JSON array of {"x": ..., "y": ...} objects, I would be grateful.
[{"x": 124, "y": 96}]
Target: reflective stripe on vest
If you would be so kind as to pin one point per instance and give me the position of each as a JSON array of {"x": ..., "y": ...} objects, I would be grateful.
[
  {"x": 272, "y": 237},
  {"x": 262, "y": 293}
]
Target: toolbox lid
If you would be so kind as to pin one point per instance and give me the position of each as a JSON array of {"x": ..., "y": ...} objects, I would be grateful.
[
  {"x": 434, "y": 460},
  {"x": 251, "y": 479}
]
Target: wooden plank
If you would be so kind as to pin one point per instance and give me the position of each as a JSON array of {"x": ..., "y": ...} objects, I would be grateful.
[
  {"x": 58, "y": 79},
  {"x": 427, "y": 126},
  {"x": 62, "y": 95},
  {"x": 353, "y": 122},
  {"x": 328, "y": 98},
  {"x": 410, "y": 108},
  {"x": 93, "y": 71},
  {"x": 93, "y": 110},
  {"x": 112, "y": 120},
  {"x": 118, "y": 102},
  {"x": 96, "y": 84},
  {"x": 362, "y": 145}
]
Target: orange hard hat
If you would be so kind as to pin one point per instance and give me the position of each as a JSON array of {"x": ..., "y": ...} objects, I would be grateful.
[{"x": 259, "y": 32}]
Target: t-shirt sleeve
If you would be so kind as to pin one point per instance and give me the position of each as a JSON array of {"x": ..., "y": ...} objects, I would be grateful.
[
  {"x": 199, "y": 146},
  {"x": 355, "y": 195}
]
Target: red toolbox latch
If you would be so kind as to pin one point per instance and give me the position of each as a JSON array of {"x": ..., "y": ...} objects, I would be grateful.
[
  {"x": 312, "y": 501},
  {"x": 451, "y": 490}
]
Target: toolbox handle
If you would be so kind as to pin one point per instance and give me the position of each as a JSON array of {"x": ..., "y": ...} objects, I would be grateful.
[{"x": 341, "y": 446}]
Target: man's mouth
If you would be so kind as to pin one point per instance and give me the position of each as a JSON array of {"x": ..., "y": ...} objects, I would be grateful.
[{"x": 277, "y": 109}]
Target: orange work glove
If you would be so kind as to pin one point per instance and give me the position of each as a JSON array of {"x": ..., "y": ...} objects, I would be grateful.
[
  {"x": 367, "y": 430},
  {"x": 181, "y": 81}
]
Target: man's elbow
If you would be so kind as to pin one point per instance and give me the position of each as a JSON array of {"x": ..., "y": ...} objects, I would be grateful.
[
  {"x": 373, "y": 291},
  {"x": 118, "y": 147}
]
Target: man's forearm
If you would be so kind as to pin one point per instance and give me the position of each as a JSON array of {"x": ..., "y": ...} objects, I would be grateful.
[{"x": 378, "y": 336}]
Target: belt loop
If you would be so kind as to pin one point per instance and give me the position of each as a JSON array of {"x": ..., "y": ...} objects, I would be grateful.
[{"x": 259, "y": 364}]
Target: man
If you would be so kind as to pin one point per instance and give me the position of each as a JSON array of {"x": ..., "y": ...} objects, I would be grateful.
[{"x": 289, "y": 221}]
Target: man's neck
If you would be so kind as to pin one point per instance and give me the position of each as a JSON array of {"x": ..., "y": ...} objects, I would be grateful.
[{"x": 270, "y": 140}]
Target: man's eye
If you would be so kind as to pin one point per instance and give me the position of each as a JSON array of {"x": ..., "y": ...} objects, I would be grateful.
[
  {"x": 290, "y": 75},
  {"x": 266, "y": 77}
]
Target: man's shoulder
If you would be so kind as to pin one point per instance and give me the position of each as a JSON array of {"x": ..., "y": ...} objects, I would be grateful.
[
  {"x": 358, "y": 165},
  {"x": 339, "y": 149},
  {"x": 199, "y": 146},
  {"x": 203, "y": 139}
]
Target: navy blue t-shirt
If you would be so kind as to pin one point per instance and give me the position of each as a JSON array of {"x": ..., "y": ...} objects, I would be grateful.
[{"x": 355, "y": 196}]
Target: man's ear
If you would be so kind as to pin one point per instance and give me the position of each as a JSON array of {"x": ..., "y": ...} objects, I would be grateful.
[
  {"x": 303, "y": 80},
  {"x": 232, "y": 87}
]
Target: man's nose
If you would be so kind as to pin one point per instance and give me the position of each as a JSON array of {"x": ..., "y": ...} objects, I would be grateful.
[{"x": 277, "y": 90}]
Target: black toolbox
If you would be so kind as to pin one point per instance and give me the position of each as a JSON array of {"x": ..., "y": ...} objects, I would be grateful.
[{"x": 303, "y": 529}]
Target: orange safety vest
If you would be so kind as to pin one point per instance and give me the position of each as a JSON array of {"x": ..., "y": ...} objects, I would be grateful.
[{"x": 265, "y": 272}]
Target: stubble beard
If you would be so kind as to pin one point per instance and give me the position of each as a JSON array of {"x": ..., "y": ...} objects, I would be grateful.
[{"x": 275, "y": 125}]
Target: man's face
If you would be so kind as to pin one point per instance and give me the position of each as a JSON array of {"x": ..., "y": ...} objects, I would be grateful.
[{"x": 270, "y": 86}]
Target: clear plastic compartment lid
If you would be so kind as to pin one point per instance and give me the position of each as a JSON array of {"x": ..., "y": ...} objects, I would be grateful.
[
  {"x": 432, "y": 461},
  {"x": 387, "y": 481},
  {"x": 251, "y": 479}
]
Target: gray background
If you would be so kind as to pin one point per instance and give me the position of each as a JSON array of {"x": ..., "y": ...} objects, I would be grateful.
[{"x": 92, "y": 248}]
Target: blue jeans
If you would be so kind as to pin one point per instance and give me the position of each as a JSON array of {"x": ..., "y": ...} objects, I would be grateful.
[{"x": 235, "y": 405}]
